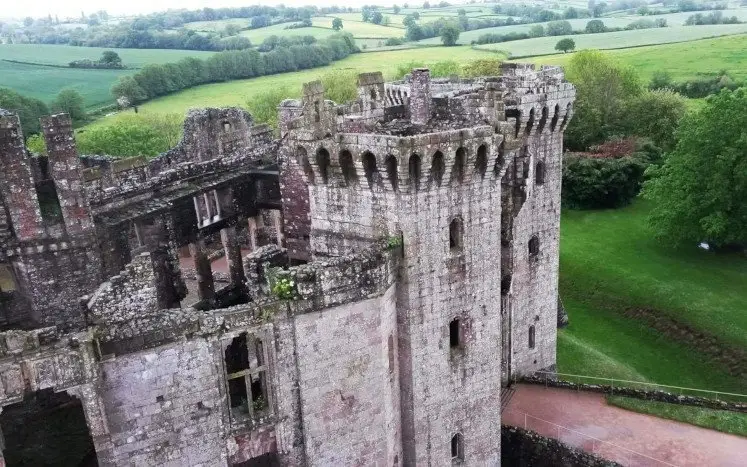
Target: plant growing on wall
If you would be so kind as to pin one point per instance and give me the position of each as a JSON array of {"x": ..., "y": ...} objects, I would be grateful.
[{"x": 284, "y": 288}]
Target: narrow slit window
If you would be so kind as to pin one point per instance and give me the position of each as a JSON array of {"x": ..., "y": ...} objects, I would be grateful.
[
  {"x": 457, "y": 448},
  {"x": 390, "y": 346},
  {"x": 414, "y": 171},
  {"x": 555, "y": 118},
  {"x": 530, "y": 122},
  {"x": 455, "y": 333},
  {"x": 531, "y": 337},
  {"x": 457, "y": 174},
  {"x": 543, "y": 120},
  {"x": 534, "y": 246},
  {"x": 539, "y": 173},
  {"x": 500, "y": 159},
  {"x": 455, "y": 234}
]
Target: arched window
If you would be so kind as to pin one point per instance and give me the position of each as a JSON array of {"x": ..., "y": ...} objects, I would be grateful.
[
  {"x": 322, "y": 161},
  {"x": 481, "y": 161},
  {"x": 369, "y": 167},
  {"x": 348, "y": 167},
  {"x": 500, "y": 159},
  {"x": 414, "y": 171},
  {"x": 534, "y": 246},
  {"x": 457, "y": 448},
  {"x": 543, "y": 120},
  {"x": 391, "y": 171},
  {"x": 373, "y": 94},
  {"x": 303, "y": 160},
  {"x": 515, "y": 114},
  {"x": 555, "y": 118},
  {"x": 530, "y": 122},
  {"x": 455, "y": 234},
  {"x": 539, "y": 173},
  {"x": 437, "y": 168},
  {"x": 531, "y": 336},
  {"x": 457, "y": 172},
  {"x": 317, "y": 112},
  {"x": 226, "y": 126}
]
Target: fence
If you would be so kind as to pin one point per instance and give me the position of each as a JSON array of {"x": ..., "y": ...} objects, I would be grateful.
[
  {"x": 604, "y": 449},
  {"x": 622, "y": 383}
]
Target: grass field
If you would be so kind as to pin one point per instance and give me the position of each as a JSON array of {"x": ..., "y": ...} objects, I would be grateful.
[
  {"x": 44, "y": 82},
  {"x": 617, "y": 40},
  {"x": 682, "y": 61},
  {"x": 610, "y": 262},
  {"x": 361, "y": 29},
  {"x": 720, "y": 420},
  {"x": 238, "y": 92},
  {"x": 259, "y": 35}
]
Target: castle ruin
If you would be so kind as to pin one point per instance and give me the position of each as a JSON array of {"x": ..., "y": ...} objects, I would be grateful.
[{"x": 355, "y": 292}]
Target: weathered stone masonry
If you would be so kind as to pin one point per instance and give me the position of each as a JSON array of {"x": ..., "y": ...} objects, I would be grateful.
[{"x": 403, "y": 265}]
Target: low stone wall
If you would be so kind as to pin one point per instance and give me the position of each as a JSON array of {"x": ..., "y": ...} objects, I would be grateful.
[
  {"x": 521, "y": 447},
  {"x": 653, "y": 395}
]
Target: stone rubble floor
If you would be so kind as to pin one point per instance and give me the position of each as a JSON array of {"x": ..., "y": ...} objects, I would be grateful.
[{"x": 664, "y": 442}]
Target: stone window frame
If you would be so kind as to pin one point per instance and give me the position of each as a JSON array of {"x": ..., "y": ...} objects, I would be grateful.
[
  {"x": 532, "y": 337},
  {"x": 265, "y": 339},
  {"x": 457, "y": 448}
]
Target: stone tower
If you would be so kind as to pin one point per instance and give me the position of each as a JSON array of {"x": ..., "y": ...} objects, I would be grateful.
[{"x": 466, "y": 176}]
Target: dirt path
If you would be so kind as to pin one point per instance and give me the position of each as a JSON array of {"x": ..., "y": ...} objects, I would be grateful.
[{"x": 586, "y": 415}]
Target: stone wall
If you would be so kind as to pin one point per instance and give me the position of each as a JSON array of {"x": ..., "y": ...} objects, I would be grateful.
[
  {"x": 349, "y": 384},
  {"x": 527, "y": 448},
  {"x": 166, "y": 406}
]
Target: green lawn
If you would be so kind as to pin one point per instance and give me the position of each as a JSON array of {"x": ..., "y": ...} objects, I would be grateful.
[
  {"x": 720, "y": 420},
  {"x": 682, "y": 61},
  {"x": 64, "y": 54},
  {"x": 618, "y": 40},
  {"x": 609, "y": 262}
]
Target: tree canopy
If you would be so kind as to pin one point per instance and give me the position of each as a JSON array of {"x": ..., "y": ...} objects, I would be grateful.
[
  {"x": 450, "y": 35},
  {"x": 29, "y": 110},
  {"x": 70, "y": 102},
  {"x": 565, "y": 45},
  {"x": 699, "y": 191}
]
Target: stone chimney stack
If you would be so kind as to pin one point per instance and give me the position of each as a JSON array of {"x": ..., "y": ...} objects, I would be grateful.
[
  {"x": 67, "y": 172},
  {"x": 420, "y": 96}
]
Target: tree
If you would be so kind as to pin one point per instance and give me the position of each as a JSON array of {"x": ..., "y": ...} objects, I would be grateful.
[
  {"x": 337, "y": 24},
  {"x": 127, "y": 87},
  {"x": 132, "y": 135},
  {"x": 559, "y": 28},
  {"x": 396, "y": 9},
  {"x": 426, "y": 5},
  {"x": 595, "y": 26},
  {"x": 603, "y": 86},
  {"x": 111, "y": 58},
  {"x": 28, "y": 21},
  {"x": 655, "y": 115},
  {"x": 377, "y": 17},
  {"x": 565, "y": 45},
  {"x": 450, "y": 35},
  {"x": 70, "y": 102},
  {"x": 699, "y": 191},
  {"x": 366, "y": 13},
  {"x": 29, "y": 110},
  {"x": 537, "y": 30}
]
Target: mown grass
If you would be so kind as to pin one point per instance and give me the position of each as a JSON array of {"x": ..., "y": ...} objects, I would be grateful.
[
  {"x": 618, "y": 39},
  {"x": 719, "y": 420},
  {"x": 682, "y": 60},
  {"x": 610, "y": 262}
]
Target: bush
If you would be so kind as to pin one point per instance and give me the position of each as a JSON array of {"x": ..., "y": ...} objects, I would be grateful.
[
  {"x": 394, "y": 41},
  {"x": 264, "y": 107},
  {"x": 132, "y": 135},
  {"x": 29, "y": 110},
  {"x": 340, "y": 85},
  {"x": 450, "y": 35},
  {"x": 591, "y": 181},
  {"x": 70, "y": 102},
  {"x": 482, "y": 67}
]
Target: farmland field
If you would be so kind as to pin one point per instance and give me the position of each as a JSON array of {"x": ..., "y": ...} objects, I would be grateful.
[
  {"x": 361, "y": 29},
  {"x": 618, "y": 39},
  {"x": 259, "y": 35},
  {"x": 236, "y": 93},
  {"x": 44, "y": 82},
  {"x": 683, "y": 60}
]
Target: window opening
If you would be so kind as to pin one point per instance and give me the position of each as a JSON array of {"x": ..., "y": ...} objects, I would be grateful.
[
  {"x": 391, "y": 171},
  {"x": 455, "y": 234},
  {"x": 539, "y": 173},
  {"x": 455, "y": 338},
  {"x": 247, "y": 376},
  {"x": 534, "y": 245},
  {"x": 531, "y": 336},
  {"x": 414, "y": 171},
  {"x": 457, "y": 447},
  {"x": 322, "y": 161},
  {"x": 481, "y": 162},
  {"x": 458, "y": 170},
  {"x": 348, "y": 168},
  {"x": 369, "y": 167},
  {"x": 437, "y": 168}
]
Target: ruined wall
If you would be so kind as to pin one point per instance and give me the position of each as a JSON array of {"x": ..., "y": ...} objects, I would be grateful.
[
  {"x": 349, "y": 384},
  {"x": 166, "y": 406}
]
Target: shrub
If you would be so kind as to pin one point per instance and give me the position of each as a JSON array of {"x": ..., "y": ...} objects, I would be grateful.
[
  {"x": 264, "y": 106},
  {"x": 340, "y": 85},
  {"x": 609, "y": 177},
  {"x": 394, "y": 41},
  {"x": 132, "y": 135},
  {"x": 482, "y": 67}
]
